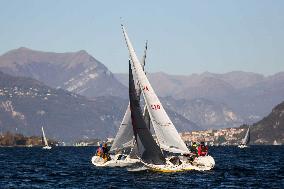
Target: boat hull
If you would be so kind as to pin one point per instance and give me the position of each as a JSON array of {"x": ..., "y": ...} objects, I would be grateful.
[
  {"x": 114, "y": 162},
  {"x": 46, "y": 147},
  {"x": 242, "y": 146},
  {"x": 202, "y": 163}
]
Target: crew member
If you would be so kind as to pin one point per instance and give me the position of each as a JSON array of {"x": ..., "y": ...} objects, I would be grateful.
[
  {"x": 193, "y": 152},
  {"x": 100, "y": 151},
  {"x": 106, "y": 156},
  {"x": 193, "y": 148},
  {"x": 202, "y": 149}
]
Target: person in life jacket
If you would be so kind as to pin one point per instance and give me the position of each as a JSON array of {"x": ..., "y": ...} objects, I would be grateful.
[
  {"x": 193, "y": 152},
  {"x": 99, "y": 151},
  {"x": 202, "y": 149},
  {"x": 193, "y": 148},
  {"x": 105, "y": 156}
]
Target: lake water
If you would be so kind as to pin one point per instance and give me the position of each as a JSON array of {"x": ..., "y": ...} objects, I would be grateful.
[{"x": 70, "y": 167}]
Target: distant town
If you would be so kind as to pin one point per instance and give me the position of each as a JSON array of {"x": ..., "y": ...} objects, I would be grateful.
[{"x": 228, "y": 136}]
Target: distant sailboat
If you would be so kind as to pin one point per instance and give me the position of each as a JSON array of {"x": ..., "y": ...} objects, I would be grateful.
[
  {"x": 46, "y": 146},
  {"x": 276, "y": 143},
  {"x": 245, "y": 140}
]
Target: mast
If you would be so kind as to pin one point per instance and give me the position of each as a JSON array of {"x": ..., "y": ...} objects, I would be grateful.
[
  {"x": 145, "y": 112},
  {"x": 145, "y": 55}
]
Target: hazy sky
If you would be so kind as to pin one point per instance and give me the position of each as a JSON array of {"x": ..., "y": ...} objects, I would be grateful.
[{"x": 184, "y": 36}]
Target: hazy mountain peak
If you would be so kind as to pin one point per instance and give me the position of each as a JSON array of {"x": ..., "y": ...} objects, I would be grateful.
[
  {"x": 71, "y": 70},
  {"x": 82, "y": 52},
  {"x": 23, "y": 49},
  {"x": 24, "y": 55}
]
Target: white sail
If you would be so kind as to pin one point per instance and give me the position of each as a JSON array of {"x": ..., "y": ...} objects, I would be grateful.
[
  {"x": 124, "y": 136},
  {"x": 246, "y": 140},
  {"x": 166, "y": 133},
  {"x": 276, "y": 143},
  {"x": 44, "y": 138}
]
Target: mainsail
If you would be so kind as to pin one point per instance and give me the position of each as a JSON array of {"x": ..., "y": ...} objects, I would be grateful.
[
  {"x": 124, "y": 136},
  {"x": 147, "y": 148},
  {"x": 166, "y": 133},
  {"x": 246, "y": 140},
  {"x": 44, "y": 138}
]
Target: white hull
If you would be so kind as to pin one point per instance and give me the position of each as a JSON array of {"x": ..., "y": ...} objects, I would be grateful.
[
  {"x": 114, "y": 162},
  {"x": 46, "y": 147},
  {"x": 242, "y": 146},
  {"x": 202, "y": 163}
]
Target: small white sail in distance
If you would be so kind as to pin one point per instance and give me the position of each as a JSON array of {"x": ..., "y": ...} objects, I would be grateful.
[
  {"x": 246, "y": 140},
  {"x": 166, "y": 133},
  {"x": 44, "y": 138}
]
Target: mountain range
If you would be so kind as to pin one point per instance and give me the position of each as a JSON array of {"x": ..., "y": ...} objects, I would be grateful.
[
  {"x": 27, "y": 104},
  {"x": 193, "y": 102},
  {"x": 249, "y": 96}
]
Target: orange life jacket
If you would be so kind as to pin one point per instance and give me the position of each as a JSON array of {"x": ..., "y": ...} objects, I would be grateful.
[{"x": 99, "y": 151}]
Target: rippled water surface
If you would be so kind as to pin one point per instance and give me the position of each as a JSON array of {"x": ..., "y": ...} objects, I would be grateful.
[{"x": 70, "y": 167}]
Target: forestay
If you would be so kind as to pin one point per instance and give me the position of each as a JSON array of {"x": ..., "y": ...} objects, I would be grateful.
[{"x": 166, "y": 133}]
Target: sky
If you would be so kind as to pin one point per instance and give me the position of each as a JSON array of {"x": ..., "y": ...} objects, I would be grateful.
[{"x": 184, "y": 37}]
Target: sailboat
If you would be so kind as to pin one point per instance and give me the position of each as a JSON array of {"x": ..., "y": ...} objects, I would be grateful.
[
  {"x": 157, "y": 155},
  {"x": 123, "y": 147},
  {"x": 276, "y": 143},
  {"x": 46, "y": 146},
  {"x": 245, "y": 140}
]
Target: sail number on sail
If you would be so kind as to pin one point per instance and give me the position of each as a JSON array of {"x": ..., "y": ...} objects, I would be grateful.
[
  {"x": 155, "y": 106},
  {"x": 145, "y": 88}
]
